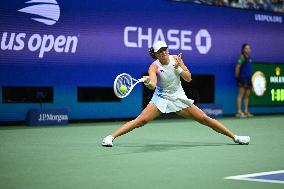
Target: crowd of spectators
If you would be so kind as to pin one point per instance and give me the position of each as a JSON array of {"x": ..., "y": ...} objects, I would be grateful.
[{"x": 266, "y": 5}]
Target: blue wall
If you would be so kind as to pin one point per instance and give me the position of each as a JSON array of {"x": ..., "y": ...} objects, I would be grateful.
[{"x": 100, "y": 39}]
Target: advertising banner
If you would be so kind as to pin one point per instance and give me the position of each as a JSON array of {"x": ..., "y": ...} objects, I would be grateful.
[{"x": 73, "y": 44}]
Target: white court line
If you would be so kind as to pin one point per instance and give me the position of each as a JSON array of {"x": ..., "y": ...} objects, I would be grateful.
[{"x": 245, "y": 177}]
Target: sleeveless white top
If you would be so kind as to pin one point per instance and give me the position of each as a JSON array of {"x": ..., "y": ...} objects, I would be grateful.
[{"x": 169, "y": 95}]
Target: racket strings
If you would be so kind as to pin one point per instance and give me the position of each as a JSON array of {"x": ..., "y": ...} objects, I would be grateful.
[{"x": 123, "y": 80}]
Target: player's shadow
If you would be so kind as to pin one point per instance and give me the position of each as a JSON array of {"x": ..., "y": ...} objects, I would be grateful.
[{"x": 144, "y": 148}]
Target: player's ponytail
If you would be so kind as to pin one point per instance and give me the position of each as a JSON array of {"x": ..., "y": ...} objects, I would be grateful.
[{"x": 152, "y": 53}]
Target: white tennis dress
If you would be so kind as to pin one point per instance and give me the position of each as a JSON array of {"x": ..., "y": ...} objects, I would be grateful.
[{"x": 169, "y": 95}]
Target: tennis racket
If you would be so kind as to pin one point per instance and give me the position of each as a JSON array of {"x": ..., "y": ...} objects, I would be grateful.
[{"x": 126, "y": 80}]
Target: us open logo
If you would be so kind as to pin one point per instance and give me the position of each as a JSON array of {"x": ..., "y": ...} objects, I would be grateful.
[
  {"x": 48, "y": 13},
  {"x": 44, "y": 11}
]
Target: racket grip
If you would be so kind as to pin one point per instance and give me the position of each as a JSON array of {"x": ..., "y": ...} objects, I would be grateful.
[{"x": 142, "y": 79}]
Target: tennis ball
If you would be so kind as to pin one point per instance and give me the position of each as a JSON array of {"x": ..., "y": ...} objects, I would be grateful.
[{"x": 123, "y": 88}]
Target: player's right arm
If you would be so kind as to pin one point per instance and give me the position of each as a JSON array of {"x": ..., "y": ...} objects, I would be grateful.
[
  {"x": 151, "y": 80},
  {"x": 238, "y": 66}
]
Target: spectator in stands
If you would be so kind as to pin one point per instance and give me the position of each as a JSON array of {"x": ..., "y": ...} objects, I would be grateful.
[
  {"x": 277, "y": 6},
  {"x": 267, "y": 5},
  {"x": 222, "y": 3},
  {"x": 250, "y": 4}
]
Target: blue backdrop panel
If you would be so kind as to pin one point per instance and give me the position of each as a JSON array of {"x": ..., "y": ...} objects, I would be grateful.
[{"x": 88, "y": 43}]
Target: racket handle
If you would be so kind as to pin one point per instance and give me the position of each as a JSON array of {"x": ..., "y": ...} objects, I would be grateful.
[{"x": 142, "y": 79}]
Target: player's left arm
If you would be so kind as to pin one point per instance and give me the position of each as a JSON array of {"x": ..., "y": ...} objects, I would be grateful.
[{"x": 181, "y": 68}]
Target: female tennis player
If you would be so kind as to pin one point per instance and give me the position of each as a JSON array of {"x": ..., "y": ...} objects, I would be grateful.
[{"x": 169, "y": 96}]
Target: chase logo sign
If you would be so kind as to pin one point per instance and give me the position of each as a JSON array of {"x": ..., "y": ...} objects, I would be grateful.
[
  {"x": 178, "y": 39},
  {"x": 44, "y": 11}
]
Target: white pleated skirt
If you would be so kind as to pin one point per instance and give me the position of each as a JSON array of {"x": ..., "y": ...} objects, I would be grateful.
[{"x": 171, "y": 103}]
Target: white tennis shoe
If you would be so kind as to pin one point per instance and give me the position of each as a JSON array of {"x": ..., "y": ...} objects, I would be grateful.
[
  {"x": 242, "y": 139},
  {"x": 107, "y": 141}
]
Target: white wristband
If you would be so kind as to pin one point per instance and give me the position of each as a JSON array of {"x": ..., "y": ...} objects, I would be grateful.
[{"x": 179, "y": 70}]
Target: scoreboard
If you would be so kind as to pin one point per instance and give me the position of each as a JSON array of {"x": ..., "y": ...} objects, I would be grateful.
[{"x": 268, "y": 85}]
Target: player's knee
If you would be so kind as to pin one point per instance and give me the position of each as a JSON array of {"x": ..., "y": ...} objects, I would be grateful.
[
  {"x": 142, "y": 121},
  {"x": 205, "y": 120}
]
